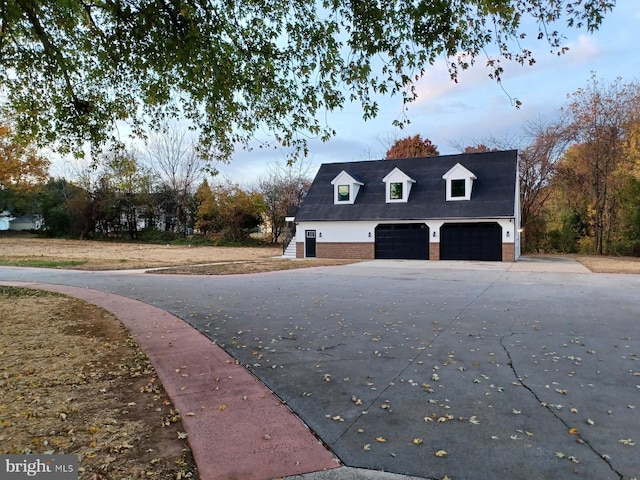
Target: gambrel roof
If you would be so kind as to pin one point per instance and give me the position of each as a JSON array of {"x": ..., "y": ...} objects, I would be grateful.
[{"x": 494, "y": 189}]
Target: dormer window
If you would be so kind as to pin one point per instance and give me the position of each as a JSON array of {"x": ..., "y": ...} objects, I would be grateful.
[
  {"x": 345, "y": 189},
  {"x": 457, "y": 188},
  {"x": 395, "y": 191},
  {"x": 459, "y": 183},
  {"x": 343, "y": 193},
  {"x": 398, "y": 186}
]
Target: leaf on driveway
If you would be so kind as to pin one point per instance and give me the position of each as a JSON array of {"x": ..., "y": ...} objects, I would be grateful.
[
  {"x": 627, "y": 441},
  {"x": 573, "y": 431},
  {"x": 367, "y": 447},
  {"x": 381, "y": 439},
  {"x": 417, "y": 441},
  {"x": 441, "y": 453},
  {"x": 560, "y": 455}
]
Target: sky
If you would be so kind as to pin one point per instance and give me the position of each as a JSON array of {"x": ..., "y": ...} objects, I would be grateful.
[{"x": 475, "y": 109}]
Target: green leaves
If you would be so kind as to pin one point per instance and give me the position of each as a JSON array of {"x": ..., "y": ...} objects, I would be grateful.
[{"x": 72, "y": 69}]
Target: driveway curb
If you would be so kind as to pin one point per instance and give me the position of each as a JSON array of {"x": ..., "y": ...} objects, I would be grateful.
[{"x": 237, "y": 428}]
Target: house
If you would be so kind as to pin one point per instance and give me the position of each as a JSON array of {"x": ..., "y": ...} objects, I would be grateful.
[
  {"x": 452, "y": 207},
  {"x": 5, "y": 220},
  {"x": 27, "y": 222}
]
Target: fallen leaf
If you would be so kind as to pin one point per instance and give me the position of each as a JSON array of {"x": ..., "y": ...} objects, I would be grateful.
[
  {"x": 222, "y": 407},
  {"x": 573, "y": 431},
  {"x": 417, "y": 441},
  {"x": 517, "y": 412},
  {"x": 182, "y": 435},
  {"x": 560, "y": 455},
  {"x": 367, "y": 447},
  {"x": 628, "y": 441},
  {"x": 440, "y": 453},
  {"x": 590, "y": 422},
  {"x": 473, "y": 420},
  {"x": 381, "y": 439}
]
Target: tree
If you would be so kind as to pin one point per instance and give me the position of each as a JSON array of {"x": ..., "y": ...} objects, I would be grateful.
[
  {"x": 122, "y": 193},
  {"x": 538, "y": 166},
  {"x": 67, "y": 209},
  {"x": 228, "y": 212},
  {"x": 172, "y": 155},
  {"x": 22, "y": 171},
  {"x": 283, "y": 189},
  {"x": 599, "y": 117},
  {"x": 71, "y": 69},
  {"x": 410, "y": 147},
  {"x": 480, "y": 148}
]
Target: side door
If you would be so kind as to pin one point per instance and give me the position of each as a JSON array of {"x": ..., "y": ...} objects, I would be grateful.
[{"x": 310, "y": 243}]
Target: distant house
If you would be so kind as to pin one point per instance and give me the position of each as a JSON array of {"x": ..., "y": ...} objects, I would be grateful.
[
  {"x": 453, "y": 207},
  {"x": 27, "y": 222},
  {"x": 5, "y": 219}
]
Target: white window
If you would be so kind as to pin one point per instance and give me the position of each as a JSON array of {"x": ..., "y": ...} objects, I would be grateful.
[
  {"x": 459, "y": 183},
  {"x": 398, "y": 186}
]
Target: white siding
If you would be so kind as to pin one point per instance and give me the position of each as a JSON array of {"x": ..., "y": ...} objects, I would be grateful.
[{"x": 359, "y": 231}]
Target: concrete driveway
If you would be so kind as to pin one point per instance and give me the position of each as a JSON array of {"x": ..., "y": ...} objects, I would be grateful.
[{"x": 465, "y": 370}]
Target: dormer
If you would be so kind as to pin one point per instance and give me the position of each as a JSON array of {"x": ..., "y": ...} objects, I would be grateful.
[
  {"x": 397, "y": 186},
  {"x": 459, "y": 183},
  {"x": 345, "y": 189}
]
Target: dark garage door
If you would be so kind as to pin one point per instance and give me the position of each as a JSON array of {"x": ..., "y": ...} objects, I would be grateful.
[
  {"x": 471, "y": 241},
  {"x": 403, "y": 241}
]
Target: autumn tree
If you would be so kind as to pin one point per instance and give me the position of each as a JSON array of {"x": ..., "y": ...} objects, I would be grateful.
[
  {"x": 283, "y": 189},
  {"x": 539, "y": 159},
  {"x": 599, "y": 117},
  {"x": 410, "y": 147},
  {"x": 480, "y": 148},
  {"x": 22, "y": 171},
  {"x": 227, "y": 212},
  {"x": 71, "y": 69}
]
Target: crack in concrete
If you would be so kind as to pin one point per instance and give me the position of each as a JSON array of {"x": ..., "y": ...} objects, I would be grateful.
[{"x": 550, "y": 410}]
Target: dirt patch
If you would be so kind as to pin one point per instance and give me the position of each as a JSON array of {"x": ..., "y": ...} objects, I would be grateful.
[
  {"x": 252, "y": 266},
  {"x": 73, "y": 381},
  {"x": 118, "y": 256}
]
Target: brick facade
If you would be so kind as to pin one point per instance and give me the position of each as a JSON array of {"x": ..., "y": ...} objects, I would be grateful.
[
  {"x": 434, "y": 251},
  {"x": 508, "y": 252},
  {"x": 366, "y": 251},
  {"x": 341, "y": 250}
]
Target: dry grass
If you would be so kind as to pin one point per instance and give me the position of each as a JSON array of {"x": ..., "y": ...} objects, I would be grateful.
[
  {"x": 252, "y": 266},
  {"x": 92, "y": 255},
  {"x": 72, "y": 381},
  {"x": 606, "y": 264}
]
